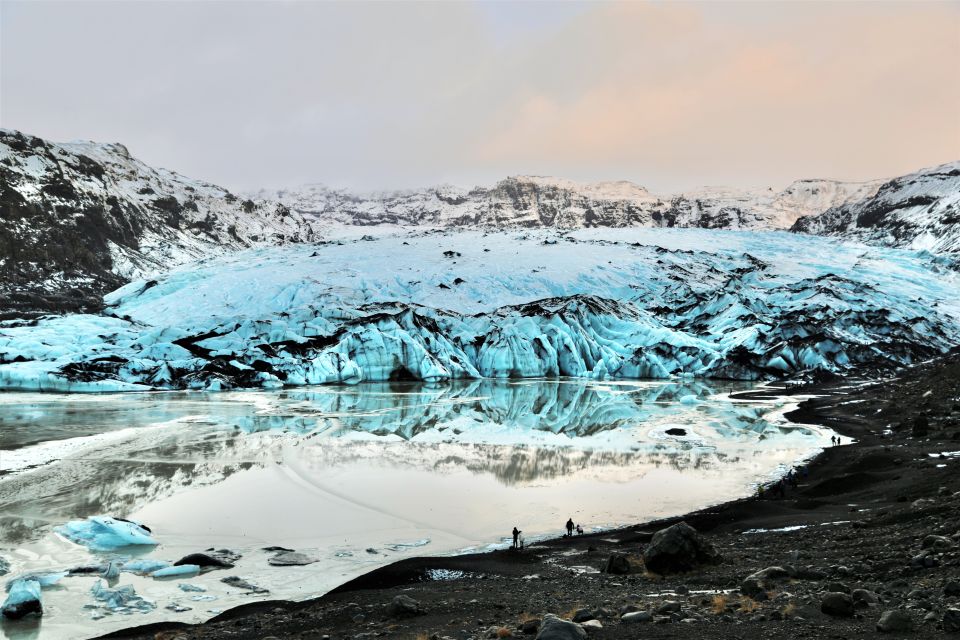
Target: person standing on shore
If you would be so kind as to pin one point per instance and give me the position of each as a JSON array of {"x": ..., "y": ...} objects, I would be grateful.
[
  {"x": 516, "y": 537},
  {"x": 569, "y": 527}
]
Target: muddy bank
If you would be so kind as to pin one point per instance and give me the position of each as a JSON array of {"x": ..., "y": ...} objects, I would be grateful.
[{"x": 871, "y": 527}]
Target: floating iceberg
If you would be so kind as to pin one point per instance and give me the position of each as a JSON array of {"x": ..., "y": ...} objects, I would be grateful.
[
  {"x": 179, "y": 571},
  {"x": 121, "y": 600},
  {"x": 101, "y": 533},
  {"x": 144, "y": 566}
]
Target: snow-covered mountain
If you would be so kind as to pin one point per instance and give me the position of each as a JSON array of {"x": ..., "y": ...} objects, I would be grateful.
[
  {"x": 917, "y": 211},
  {"x": 455, "y": 304},
  {"x": 532, "y": 201},
  {"x": 82, "y": 218}
]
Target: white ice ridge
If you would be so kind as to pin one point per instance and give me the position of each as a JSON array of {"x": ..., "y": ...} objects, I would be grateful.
[{"x": 433, "y": 306}]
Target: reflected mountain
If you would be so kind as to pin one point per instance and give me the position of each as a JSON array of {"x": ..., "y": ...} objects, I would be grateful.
[
  {"x": 518, "y": 432},
  {"x": 575, "y": 409}
]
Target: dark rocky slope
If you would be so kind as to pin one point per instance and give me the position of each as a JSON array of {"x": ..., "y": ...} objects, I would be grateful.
[
  {"x": 917, "y": 211},
  {"x": 80, "y": 219}
]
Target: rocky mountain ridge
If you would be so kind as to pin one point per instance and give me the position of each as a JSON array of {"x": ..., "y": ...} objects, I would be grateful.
[
  {"x": 81, "y": 218},
  {"x": 918, "y": 211},
  {"x": 536, "y": 201}
]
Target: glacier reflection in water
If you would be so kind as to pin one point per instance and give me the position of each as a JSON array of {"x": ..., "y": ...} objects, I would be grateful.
[{"x": 339, "y": 470}]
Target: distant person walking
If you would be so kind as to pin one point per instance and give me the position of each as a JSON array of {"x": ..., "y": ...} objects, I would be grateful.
[
  {"x": 569, "y": 527},
  {"x": 516, "y": 538},
  {"x": 579, "y": 530}
]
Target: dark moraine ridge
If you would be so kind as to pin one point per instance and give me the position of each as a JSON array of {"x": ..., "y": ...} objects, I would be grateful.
[{"x": 864, "y": 516}]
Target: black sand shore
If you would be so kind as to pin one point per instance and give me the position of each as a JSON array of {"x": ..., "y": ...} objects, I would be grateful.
[{"x": 875, "y": 523}]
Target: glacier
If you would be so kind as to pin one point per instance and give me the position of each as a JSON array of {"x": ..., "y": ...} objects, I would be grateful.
[{"x": 441, "y": 305}]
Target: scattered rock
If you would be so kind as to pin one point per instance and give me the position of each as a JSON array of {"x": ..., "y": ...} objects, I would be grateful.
[
  {"x": 554, "y": 628},
  {"x": 836, "y": 603},
  {"x": 677, "y": 549},
  {"x": 921, "y": 427},
  {"x": 531, "y": 626},
  {"x": 667, "y": 607},
  {"x": 864, "y": 598},
  {"x": 757, "y": 584},
  {"x": 618, "y": 564},
  {"x": 951, "y": 620},
  {"x": 292, "y": 559},
  {"x": 405, "y": 607},
  {"x": 592, "y": 626},
  {"x": 239, "y": 583},
  {"x": 952, "y": 588},
  {"x": 895, "y": 620},
  {"x": 636, "y": 616},
  {"x": 938, "y": 543},
  {"x": 211, "y": 559},
  {"x": 582, "y": 615}
]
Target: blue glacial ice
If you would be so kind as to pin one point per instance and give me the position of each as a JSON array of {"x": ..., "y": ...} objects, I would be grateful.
[
  {"x": 634, "y": 303},
  {"x": 102, "y": 533},
  {"x": 178, "y": 571},
  {"x": 23, "y": 598},
  {"x": 120, "y": 600},
  {"x": 144, "y": 566},
  {"x": 24, "y": 595}
]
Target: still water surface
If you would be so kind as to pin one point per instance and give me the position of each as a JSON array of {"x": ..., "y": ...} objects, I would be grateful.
[{"x": 360, "y": 476}]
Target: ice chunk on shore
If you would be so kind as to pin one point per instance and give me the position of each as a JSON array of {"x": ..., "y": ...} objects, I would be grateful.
[
  {"x": 102, "y": 533},
  {"x": 23, "y": 599}
]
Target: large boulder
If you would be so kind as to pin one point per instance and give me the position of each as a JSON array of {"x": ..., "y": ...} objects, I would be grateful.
[
  {"x": 836, "y": 603},
  {"x": 405, "y": 607},
  {"x": 634, "y": 617},
  {"x": 951, "y": 620},
  {"x": 678, "y": 548},
  {"x": 864, "y": 598},
  {"x": 211, "y": 559},
  {"x": 757, "y": 584},
  {"x": 895, "y": 621},
  {"x": 618, "y": 564},
  {"x": 554, "y": 628}
]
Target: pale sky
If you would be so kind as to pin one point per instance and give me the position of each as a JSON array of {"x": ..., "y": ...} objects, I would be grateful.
[{"x": 374, "y": 95}]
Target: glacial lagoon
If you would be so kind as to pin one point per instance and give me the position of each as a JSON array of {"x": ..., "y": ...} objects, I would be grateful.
[{"x": 358, "y": 477}]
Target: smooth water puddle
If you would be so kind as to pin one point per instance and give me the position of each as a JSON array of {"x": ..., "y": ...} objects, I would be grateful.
[{"x": 359, "y": 476}]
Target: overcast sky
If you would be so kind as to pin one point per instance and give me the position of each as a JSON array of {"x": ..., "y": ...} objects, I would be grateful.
[{"x": 391, "y": 94}]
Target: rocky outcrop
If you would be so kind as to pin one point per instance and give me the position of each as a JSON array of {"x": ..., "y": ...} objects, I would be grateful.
[
  {"x": 677, "y": 549},
  {"x": 917, "y": 211},
  {"x": 79, "y": 219}
]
